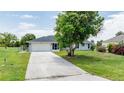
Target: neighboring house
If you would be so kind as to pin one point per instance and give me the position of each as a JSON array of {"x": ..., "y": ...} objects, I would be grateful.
[
  {"x": 48, "y": 43},
  {"x": 114, "y": 40}
]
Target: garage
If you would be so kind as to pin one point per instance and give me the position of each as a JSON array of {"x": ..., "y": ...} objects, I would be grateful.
[
  {"x": 46, "y": 43},
  {"x": 39, "y": 47}
]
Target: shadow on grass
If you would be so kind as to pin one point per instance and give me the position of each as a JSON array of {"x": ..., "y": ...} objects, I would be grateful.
[{"x": 83, "y": 59}]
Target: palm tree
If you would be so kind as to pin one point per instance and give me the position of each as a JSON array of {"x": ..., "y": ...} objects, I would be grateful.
[{"x": 8, "y": 38}]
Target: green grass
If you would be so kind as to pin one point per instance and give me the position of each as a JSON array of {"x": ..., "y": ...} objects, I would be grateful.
[
  {"x": 15, "y": 66},
  {"x": 106, "y": 65}
]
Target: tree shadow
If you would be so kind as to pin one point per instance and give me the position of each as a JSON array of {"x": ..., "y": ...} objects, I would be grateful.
[{"x": 84, "y": 58}]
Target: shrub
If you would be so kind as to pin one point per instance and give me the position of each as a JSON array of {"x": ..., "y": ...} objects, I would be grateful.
[
  {"x": 92, "y": 47},
  {"x": 101, "y": 49},
  {"x": 119, "y": 50},
  {"x": 114, "y": 47},
  {"x": 110, "y": 47}
]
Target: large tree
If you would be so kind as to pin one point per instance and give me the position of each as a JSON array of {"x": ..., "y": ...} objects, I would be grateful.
[
  {"x": 7, "y": 39},
  {"x": 27, "y": 37},
  {"x": 99, "y": 43},
  {"x": 73, "y": 27},
  {"x": 119, "y": 33}
]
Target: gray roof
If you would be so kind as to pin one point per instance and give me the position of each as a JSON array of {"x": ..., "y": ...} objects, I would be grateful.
[
  {"x": 50, "y": 38},
  {"x": 116, "y": 39},
  {"x": 44, "y": 39}
]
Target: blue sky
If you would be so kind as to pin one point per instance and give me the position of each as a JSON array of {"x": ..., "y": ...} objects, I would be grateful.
[
  {"x": 19, "y": 23},
  {"x": 43, "y": 23},
  {"x": 106, "y": 14}
]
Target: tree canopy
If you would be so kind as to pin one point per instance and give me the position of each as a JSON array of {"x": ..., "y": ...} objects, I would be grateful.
[
  {"x": 119, "y": 33},
  {"x": 1, "y": 38},
  {"x": 7, "y": 39},
  {"x": 73, "y": 27},
  {"x": 27, "y": 37},
  {"x": 11, "y": 40},
  {"x": 99, "y": 43}
]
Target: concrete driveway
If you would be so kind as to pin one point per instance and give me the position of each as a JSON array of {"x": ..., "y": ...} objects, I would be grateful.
[{"x": 48, "y": 66}]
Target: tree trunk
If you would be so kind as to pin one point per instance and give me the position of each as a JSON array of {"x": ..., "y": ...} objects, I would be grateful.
[
  {"x": 5, "y": 47},
  {"x": 71, "y": 52}
]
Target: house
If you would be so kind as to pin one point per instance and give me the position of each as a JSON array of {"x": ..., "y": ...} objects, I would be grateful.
[
  {"x": 48, "y": 43},
  {"x": 114, "y": 40}
]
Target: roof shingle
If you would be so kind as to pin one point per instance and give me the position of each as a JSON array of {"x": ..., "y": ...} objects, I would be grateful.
[
  {"x": 115, "y": 39},
  {"x": 44, "y": 39},
  {"x": 50, "y": 38}
]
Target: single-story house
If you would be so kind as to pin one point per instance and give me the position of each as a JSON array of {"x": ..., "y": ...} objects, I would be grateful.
[
  {"x": 114, "y": 40},
  {"x": 48, "y": 43}
]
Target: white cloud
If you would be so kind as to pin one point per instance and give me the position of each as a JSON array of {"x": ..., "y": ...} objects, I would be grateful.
[
  {"x": 26, "y": 26},
  {"x": 26, "y": 16},
  {"x": 38, "y": 33},
  {"x": 41, "y": 32},
  {"x": 111, "y": 26}
]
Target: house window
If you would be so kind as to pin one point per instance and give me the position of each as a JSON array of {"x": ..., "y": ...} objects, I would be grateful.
[
  {"x": 55, "y": 46},
  {"x": 77, "y": 45},
  {"x": 88, "y": 46},
  {"x": 83, "y": 44}
]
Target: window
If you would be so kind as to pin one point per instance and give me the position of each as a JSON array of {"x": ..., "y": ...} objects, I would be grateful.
[
  {"x": 55, "y": 46},
  {"x": 77, "y": 45},
  {"x": 52, "y": 45},
  {"x": 88, "y": 46},
  {"x": 83, "y": 44}
]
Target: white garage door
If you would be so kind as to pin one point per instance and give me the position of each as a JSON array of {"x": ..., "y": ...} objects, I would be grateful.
[{"x": 40, "y": 47}]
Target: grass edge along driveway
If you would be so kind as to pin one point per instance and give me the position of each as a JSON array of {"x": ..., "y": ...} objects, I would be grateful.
[
  {"x": 15, "y": 67},
  {"x": 106, "y": 65}
]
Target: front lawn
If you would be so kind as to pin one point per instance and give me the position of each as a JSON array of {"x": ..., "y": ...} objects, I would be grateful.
[
  {"x": 15, "y": 66},
  {"x": 106, "y": 65}
]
